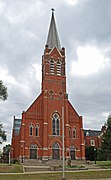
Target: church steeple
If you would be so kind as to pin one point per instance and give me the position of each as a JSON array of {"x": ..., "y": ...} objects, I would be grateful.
[
  {"x": 53, "y": 62},
  {"x": 53, "y": 38}
]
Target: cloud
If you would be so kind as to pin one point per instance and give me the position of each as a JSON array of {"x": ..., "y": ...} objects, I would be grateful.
[
  {"x": 72, "y": 2},
  {"x": 90, "y": 60},
  {"x": 17, "y": 12}
]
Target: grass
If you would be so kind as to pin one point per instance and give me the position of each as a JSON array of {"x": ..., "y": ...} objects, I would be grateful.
[
  {"x": 105, "y": 164},
  {"x": 13, "y": 168},
  {"x": 17, "y": 168},
  {"x": 75, "y": 167},
  {"x": 58, "y": 176}
]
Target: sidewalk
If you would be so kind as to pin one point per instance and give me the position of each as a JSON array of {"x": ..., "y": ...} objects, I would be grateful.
[{"x": 51, "y": 172}]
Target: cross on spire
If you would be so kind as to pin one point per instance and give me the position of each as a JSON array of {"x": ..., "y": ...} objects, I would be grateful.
[{"x": 52, "y": 10}]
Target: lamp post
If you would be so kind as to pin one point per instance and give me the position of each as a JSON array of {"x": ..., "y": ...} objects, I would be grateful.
[
  {"x": 95, "y": 154},
  {"x": 22, "y": 154},
  {"x": 63, "y": 175},
  {"x": 9, "y": 157}
]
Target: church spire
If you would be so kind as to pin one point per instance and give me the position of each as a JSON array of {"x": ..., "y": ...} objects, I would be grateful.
[{"x": 53, "y": 38}]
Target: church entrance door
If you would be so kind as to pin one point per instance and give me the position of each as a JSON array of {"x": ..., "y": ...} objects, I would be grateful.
[
  {"x": 55, "y": 151},
  {"x": 72, "y": 153},
  {"x": 33, "y": 151}
]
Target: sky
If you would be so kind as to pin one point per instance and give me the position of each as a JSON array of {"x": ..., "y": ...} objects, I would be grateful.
[{"x": 84, "y": 28}]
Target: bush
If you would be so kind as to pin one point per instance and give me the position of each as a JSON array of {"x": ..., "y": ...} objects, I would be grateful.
[
  {"x": 89, "y": 153},
  {"x": 15, "y": 161}
]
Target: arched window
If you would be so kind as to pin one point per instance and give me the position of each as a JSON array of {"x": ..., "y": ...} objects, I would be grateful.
[
  {"x": 33, "y": 146},
  {"x": 74, "y": 133},
  {"x": 31, "y": 130},
  {"x": 37, "y": 130},
  {"x": 58, "y": 68},
  {"x": 55, "y": 146},
  {"x": 52, "y": 66},
  {"x": 55, "y": 124},
  {"x": 92, "y": 142}
]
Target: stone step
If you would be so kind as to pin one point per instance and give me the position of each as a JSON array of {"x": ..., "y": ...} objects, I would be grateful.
[
  {"x": 36, "y": 162},
  {"x": 33, "y": 162},
  {"x": 36, "y": 168},
  {"x": 78, "y": 162}
]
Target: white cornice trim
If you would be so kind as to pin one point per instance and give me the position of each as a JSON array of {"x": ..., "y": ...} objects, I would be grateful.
[
  {"x": 22, "y": 141},
  {"x": 45, "y": 123},
  {"x": 45, "y": 149}
]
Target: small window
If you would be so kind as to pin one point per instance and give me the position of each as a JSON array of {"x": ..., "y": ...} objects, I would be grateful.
[
  {"x": 58, "y": 68},
  {"x": 37, "y": 131},
  {"x": 92, "y": 142},
  {"x": 74, "y": 133},
  {"x": 51, "y": 66},
  {"x": 87, "y": 133},
  {"x": 31, "y": 130},
  {"x": 51, "y": 94}
]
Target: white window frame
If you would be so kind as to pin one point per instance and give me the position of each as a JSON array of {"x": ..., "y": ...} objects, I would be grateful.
[
  {"x": 51, "y": 66},
  {"x": 58, "y": 67},
  {"x": 31, "y": 131},
  {"x": 37, "y": 127},
  {"x": 92, "y": 142}
]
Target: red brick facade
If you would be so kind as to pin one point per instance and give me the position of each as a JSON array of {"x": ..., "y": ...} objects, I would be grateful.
[
  {"x": 39, "y": 133},
  {"x": 94, "y": 137}
]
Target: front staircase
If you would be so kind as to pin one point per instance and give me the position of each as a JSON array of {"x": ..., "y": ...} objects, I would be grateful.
[
  {"x": 36, "y": 168},
  {"x": 37, "y": 162},
  {"x": 34, "y": 165}
]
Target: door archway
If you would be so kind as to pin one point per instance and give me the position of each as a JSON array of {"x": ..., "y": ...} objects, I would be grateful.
[
  {"x": 55, "y": 151},
  {"x": 33, "y": 151}
]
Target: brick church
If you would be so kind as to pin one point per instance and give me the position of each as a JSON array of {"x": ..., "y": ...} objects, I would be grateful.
[{"x": 38, "y": 134}]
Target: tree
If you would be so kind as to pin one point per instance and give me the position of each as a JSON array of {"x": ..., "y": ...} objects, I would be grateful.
[
  {"x": 3, "y": 91},
  {"x": 2, "y": 134},
  {"x": 6, "y": 151},
  {"x": 106, "y": 141},
  {"x": 89, "y": 153},
  {"x": 3, "y": 96}
]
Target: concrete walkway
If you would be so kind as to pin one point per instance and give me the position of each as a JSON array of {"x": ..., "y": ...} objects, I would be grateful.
[{"x": 54, "y": 172}]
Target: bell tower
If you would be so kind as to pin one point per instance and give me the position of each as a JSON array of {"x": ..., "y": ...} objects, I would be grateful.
[{"x": 53, "y": 62}]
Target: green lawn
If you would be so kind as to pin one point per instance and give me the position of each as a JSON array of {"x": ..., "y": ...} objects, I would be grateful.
[
  {"x": 58, "y": 176},
  {"x": 17, "y": 168},
  {"x": 106, "y": 164},
  {"x": 13, "y": 168}
]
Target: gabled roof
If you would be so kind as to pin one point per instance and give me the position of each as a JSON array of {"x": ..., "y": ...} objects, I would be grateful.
[
  {"x": 53, "y": 38},
  {"x": 92, "y": 132}
]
